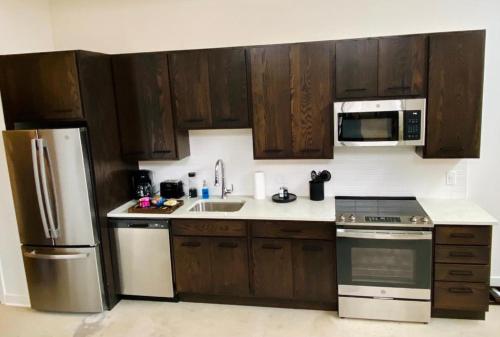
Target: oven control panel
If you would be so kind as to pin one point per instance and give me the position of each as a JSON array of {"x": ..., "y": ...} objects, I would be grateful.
[
  {"x": 412, "y": 125},
  {"x": 386, "y": 219}
]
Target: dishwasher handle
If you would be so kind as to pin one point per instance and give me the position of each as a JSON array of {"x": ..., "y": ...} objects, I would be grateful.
[{"x": 138, "y": 225}]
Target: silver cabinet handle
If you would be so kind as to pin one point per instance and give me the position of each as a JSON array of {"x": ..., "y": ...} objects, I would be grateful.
[
  {"x": 36, "y": 174},
  {"x": 34, "y": 255},
  {"x": 48, "y": 194},
  {"x": 380, "y": 234}
]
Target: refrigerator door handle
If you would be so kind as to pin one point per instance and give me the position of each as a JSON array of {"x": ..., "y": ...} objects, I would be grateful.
[
  {"x": 36, "y": 171},
  {"x": 34, "y": 255},
  {"x": 48, "y": 194}
]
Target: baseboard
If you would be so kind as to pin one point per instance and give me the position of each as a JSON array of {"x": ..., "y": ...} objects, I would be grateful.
[
  {"x": 495, "y": 281},
  {"x": 16, "y": 300}
]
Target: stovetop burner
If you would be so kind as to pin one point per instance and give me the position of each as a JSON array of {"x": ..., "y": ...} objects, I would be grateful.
[{"x": 380, "y": 211}]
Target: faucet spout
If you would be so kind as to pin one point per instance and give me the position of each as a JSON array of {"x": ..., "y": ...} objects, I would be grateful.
[{"x": 220, "y": 179}]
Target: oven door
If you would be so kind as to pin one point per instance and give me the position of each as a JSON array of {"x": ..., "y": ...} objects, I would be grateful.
[{"x": 384, "y": 263}]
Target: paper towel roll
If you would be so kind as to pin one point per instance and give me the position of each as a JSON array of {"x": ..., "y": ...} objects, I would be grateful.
[{"x": 259, "y": 190}]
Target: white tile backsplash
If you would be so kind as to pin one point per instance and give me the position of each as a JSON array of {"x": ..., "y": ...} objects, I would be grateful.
[{"x": 355, "y": 171}]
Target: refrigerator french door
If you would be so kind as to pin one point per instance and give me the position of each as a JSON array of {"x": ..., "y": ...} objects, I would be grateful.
[{"x": 52, "y": 189}]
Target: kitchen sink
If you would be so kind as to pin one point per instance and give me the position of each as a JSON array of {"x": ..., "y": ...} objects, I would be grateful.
[{"x": 217, "y": 206}]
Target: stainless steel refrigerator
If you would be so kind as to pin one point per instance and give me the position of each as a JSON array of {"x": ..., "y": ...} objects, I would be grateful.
[{"x": 51, "y": 180}]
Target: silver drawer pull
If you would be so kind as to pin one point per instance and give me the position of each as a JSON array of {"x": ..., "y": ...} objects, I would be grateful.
[{"x": 34, "y": 255}]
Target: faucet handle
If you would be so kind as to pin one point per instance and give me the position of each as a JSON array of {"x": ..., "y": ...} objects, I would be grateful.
[{"x": 227, "y": 190}]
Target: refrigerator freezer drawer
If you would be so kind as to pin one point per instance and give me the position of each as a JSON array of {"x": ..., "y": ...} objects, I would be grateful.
[{"x": 63, "y": 279}]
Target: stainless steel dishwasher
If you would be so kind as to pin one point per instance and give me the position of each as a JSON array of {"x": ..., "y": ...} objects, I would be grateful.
[{"x": 143, "y": 257}]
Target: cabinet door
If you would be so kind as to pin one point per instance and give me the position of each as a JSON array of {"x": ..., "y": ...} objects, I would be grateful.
[
  {"x": 314, "y": 271},
  {"x": 312, "y": 99},
  {"x": 193, "y": 272},
  {"x": 402, "y": 69},
  {"x": 191, "y": 88},
  {"x": 270, "y": 88},
  {"x": 356, "y": 68},
  {"x": 230, "y": 266},
  {"x": 40, "y": 87},
  {"x": 228, "y": 88},
  {"x": 144, "y": 107},
  {"x": 273, "y": 276},
  {"x": 456, "y": 69}
]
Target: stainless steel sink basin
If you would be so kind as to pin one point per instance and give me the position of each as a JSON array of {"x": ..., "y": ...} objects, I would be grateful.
[{"x": 217, "y": 206}]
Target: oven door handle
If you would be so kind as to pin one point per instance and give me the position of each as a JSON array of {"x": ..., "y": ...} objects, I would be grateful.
[{"x": 384, "y": 235}]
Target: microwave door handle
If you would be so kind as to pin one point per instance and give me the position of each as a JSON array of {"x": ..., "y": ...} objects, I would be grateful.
[
  {"x": 36, "y": 175},
  {"x": 44, "y": 166}
]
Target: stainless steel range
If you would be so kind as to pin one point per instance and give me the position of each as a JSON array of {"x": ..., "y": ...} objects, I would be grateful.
[{"x": 384, "y": 258}]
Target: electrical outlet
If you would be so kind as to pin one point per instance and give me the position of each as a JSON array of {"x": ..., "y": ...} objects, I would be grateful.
[{"x": 451, "y": 177}]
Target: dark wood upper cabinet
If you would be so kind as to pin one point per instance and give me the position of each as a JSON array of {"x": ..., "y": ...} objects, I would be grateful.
[
  {"x": 271, "y": 103},
  {"x": 311, "y": 83},
  {"x": 40, "y": 87},
  {"x": 142, "y": 90},
  {"x": 402, "y": 66},
  {"x": 210, "y": 88},
  {"x": 228, "y": 88},
  {"x": 455, "y": 92},
  {"x": 356, "y": 68},
  {"x": 292, "y": 97},
  {"x": 191, "y": 88}
]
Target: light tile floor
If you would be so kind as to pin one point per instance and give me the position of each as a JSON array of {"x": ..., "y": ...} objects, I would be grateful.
[{"x": 159, "y": 319}]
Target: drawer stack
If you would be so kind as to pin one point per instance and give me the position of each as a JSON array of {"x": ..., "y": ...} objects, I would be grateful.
[{"x": 461, "y": 271}]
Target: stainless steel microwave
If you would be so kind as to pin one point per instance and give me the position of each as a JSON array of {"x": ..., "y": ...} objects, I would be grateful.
[{"x": 398, "y": 122}]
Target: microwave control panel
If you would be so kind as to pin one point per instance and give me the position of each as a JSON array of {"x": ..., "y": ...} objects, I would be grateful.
[{"x": 412, "y": 124}]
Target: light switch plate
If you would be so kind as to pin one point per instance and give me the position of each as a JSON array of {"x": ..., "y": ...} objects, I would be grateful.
[{"x": 451, "y": 177}]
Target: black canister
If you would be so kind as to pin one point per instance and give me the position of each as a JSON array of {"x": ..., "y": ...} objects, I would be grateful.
[{"x": 316, "y": 190}]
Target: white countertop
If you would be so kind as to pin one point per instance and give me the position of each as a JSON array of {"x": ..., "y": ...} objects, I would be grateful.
[
  {"x": 456, "y": 212},
  {"x": 303, "y": 209},
  {"x": 441, "y": 211}
]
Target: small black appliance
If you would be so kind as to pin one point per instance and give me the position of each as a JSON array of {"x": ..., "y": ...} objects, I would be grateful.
[
  {"x": 142, "y": 185},
  {"x": 172, "y": 189}
]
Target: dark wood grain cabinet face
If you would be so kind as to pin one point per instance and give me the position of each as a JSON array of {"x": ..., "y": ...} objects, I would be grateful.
[
  {"x": 314, "y": 274},
  {"x": 228, "y": 88},
  {"x": 402, "y": 66},
  {"x": 191, "y": 88},
  {"x": 142, "y": 90},
  {"x": 210, "y": 88},
  {"x": 356, "y": 68},
  {"x": 193, "y": 270},
  {"x": 229, "y": 258},
  {"x": 270, "y": 87},
  {"x": 311, "y": 84},
  {"x": 292, "y": 97},
  {"x": 272, "y": 268},
  {"x": 40, "y": 87},
  {"x": 454, "y": 103}
]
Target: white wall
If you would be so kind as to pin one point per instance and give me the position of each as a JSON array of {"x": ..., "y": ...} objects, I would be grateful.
[
  {"x": 126, "y": 26},
  {"x": 24, "y": 27}
]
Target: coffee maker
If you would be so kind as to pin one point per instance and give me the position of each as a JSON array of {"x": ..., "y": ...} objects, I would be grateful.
[{"x": 142, "y": 185}]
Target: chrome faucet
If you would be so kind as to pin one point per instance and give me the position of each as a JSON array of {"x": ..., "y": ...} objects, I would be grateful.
[{"x": 220, "y": 179}]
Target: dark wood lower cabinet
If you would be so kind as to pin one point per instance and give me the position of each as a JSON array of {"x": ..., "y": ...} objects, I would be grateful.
[
  {"x": 193, "y": 272},
  {"x": 314, "y": 274},
  {"x": 229, "y": 258},
  {"x": 272, "y": 268}
]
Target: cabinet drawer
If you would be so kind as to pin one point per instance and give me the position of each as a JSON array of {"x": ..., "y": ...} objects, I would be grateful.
[
  {"x": 463, "y": 235},
  {"x": 462, "y": 254},
  {"x": 209, "y": 227},
  {"x": 293, "y": 229},
  {"x": 461, "y": 296},
  {"x": 461, "y": 272}
]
